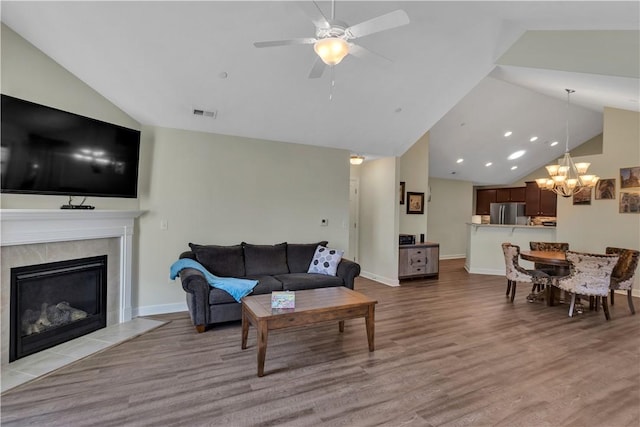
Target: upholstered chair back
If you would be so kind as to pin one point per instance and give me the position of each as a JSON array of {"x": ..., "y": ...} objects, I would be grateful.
[
  {"x": 625, "y": 269},
  {"x": 514, "y": 271},
  {"x": 590, "y": 273},
  {"x": 549, "y": 246}
]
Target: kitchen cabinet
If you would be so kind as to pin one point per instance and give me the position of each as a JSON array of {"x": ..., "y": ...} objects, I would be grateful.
[
  {"x": 484, "y": 198},
  {"x": 515, "y": 194},
  {"x": 540, "y": 202},
  {"x": 419, "y": 260}
]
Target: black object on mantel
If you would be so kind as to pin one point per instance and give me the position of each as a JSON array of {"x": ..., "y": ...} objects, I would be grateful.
[
  {"x": 86, "y": 207},
  {"x": 421, "y": 237}
]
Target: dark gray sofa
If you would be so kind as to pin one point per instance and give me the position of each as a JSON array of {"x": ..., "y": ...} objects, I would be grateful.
[{"x": 281, "y": 267}]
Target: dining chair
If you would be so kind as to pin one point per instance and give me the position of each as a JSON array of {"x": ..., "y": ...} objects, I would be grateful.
[
  {"x": 548, "y": 246},
  {"x": 624, "y": 272},
  {"x": 515, "y": 273},
  {"x": 590, "y": 276}
]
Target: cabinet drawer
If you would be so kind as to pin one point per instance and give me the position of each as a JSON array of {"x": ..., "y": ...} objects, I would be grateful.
[{"x": 418, "y": 261}]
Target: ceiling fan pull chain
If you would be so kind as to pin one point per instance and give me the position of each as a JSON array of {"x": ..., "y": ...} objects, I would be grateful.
[{"x": 332, "y": 84}]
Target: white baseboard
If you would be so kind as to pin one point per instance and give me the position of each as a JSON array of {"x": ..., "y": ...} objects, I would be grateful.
[
  {"x": 453, "y": 256},
  {"x": 491, "y": 271},
  {"x": 150, "y": 310},
  {"x": 384, "y": 280}
]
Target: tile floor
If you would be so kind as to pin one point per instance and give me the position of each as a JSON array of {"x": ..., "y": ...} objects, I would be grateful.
[{"x": 46, "y": 361}]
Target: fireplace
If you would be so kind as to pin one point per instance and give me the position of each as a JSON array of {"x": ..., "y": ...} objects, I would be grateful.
[{"x": 55, "y": 302}]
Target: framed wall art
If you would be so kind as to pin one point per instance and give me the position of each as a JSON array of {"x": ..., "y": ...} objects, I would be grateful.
[
  {"x": 606, "y": 189},
  {"x": 415, "y": 203},
  {"x": 629, "y": 202},
  {"x": 630, "y": 177},
  {"x": 582, "y": 196}
]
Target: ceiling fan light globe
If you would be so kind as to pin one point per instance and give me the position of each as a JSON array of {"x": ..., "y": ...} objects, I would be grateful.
[{"x": 331, "y": 50}]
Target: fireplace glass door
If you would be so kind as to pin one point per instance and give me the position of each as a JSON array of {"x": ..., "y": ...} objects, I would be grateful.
[{"x": 55, "y": 302}]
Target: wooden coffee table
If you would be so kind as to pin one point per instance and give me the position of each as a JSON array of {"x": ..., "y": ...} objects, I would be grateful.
[{"x": 312, "y": 306}]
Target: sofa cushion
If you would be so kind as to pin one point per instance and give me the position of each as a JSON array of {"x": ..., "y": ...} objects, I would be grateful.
[
  {"x": 223, "y": 261},
  {"x": 266, "y": 285},
  {"x": 265, "y": 259},
  {"x": 299, "y": 255},
  {"x": 325, "y": 261},
  {"x": 301, "y": 281}
]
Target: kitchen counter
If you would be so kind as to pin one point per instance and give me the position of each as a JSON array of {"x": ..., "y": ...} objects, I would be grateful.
[
  {"x": 510, "y": 225},
  {"x": 484, "y": 250}
]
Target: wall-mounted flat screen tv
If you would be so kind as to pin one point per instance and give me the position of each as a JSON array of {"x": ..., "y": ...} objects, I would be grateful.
[{"x": 49, "y": 151}]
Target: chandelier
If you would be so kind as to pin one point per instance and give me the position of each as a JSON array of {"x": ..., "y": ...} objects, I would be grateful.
[{"x": 567, "y": 178}]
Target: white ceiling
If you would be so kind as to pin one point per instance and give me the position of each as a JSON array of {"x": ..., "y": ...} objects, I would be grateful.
[{"x": 491, "y": 66}]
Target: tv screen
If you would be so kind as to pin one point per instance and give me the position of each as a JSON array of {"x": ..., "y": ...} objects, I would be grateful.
[{"x": 49, "y": 151}]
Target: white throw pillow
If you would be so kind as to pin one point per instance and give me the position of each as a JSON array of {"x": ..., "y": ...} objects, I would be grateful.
[{"x": 325, "y": 261}]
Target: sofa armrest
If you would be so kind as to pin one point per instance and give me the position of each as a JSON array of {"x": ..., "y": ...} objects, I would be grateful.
[
  {"x": 348, "y": 271},
  {"x": 197, "y": 288}
]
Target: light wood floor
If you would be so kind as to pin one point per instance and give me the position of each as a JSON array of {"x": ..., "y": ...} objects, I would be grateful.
[{"x": 451, "y": 352}]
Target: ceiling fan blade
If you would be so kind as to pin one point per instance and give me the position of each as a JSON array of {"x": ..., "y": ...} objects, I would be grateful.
[
  {"x": 317, "y": 69},
  {"x": 385, "y": 22},
  {"x": 364, "y": 53},
  {"x": 284, "y": 42},
  {"x": 313, "y": 11}
]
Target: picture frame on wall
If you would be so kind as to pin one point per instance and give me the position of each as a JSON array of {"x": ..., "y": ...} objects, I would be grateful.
[
  {"x": 630, "y": 177},
  {"x": 606, "y": 189},
  {"x": 402, "y": 184},
  {"x": 582, "y": 196},
  {"x": 415, "y": 203},
  {"x": 630, "y": 202}
]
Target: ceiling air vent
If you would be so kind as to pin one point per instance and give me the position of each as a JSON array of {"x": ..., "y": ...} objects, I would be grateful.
[{"x": 205, "y": 113}]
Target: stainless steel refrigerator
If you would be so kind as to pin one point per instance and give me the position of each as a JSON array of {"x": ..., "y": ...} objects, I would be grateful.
[{"x": 506, "y": 213}]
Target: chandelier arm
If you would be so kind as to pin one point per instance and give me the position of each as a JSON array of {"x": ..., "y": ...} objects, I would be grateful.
[{"x": 567, "y": 178}]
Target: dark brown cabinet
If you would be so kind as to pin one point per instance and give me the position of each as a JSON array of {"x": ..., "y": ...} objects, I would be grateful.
[
  {"x": 515, "y": 194},
  {"x": 484, "y": 198},
  {"x": 540, "y": 202}
]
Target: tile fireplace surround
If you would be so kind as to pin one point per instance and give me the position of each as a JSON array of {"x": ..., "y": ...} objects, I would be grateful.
[{"x": 34, "y": 236}]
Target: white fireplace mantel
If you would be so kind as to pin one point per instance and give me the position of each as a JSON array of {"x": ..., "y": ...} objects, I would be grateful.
[{"x": 31, "y": 226}]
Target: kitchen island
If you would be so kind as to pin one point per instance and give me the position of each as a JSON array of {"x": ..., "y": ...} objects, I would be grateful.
[{"x": 484, "y": 250}]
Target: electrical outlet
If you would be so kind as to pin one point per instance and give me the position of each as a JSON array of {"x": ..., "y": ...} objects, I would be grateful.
[{"x": 164, "y": 224}]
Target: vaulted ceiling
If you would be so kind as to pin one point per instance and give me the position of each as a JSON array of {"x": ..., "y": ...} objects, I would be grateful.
[{"x": 466, "y": 71}]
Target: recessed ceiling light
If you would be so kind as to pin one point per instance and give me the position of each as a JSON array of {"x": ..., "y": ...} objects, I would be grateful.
[
  {"x": 514, "y": 168},
  {"x": 533, "y": 139},
  {"x": 508, "y": 134},
  {"x": 459, "y": 160},
  {"x": 488, "y": 164},
  {"x": 516, "y": 155},
  {"x": 554, "y": 143}
]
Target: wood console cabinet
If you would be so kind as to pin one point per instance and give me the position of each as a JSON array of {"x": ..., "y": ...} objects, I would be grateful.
[
  {"x": 540, "y": 202},
  {"x": 419, "y": 260}
]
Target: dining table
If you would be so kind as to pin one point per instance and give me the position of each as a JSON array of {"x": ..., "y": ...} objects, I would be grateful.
[{"x": 556, "y": 259}]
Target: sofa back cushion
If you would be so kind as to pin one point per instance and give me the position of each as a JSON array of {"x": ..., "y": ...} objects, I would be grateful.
[
  {"x": 299, "y": 255},
  {"x": 223, "y": 261},
  {"x": 265, "y": 259}
]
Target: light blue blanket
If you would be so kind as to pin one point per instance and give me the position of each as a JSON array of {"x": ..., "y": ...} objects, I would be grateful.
[{"x": 237, "y": 288}]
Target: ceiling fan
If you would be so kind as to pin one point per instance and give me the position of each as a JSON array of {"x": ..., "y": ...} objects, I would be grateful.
[{"x": 332, "y": 41}]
